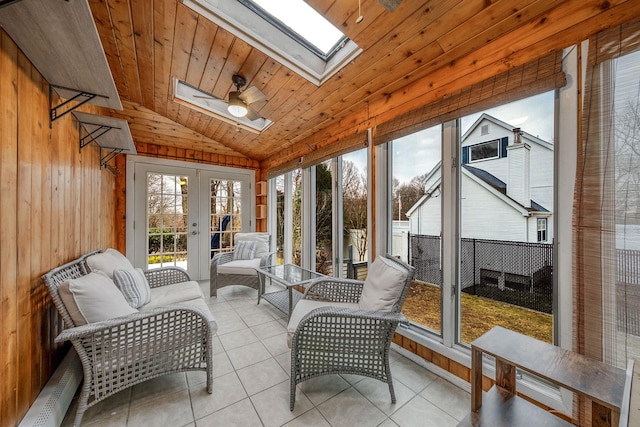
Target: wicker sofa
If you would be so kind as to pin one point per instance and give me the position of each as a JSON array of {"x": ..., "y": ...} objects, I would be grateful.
[{"x": 119, "y": 346}]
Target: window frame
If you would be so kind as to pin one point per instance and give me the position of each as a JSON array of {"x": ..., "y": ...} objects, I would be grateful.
[
  {"x": 484, "y": 144},
  {"x": 544, "y": 222},
  {"x": 261, "y": 34}
]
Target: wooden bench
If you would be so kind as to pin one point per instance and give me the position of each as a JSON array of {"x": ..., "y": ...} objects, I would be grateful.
[{"x": 601, "y": 384}]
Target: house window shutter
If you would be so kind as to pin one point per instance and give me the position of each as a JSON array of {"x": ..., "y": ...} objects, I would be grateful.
[
  {"x": 465, "y": 155},
  {"x": 504, "y": 142}
]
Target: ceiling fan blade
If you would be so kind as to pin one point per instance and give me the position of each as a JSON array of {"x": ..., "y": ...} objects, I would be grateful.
[
  {"x": 205, "y": 96},
  {"x": 252, "y": 115},
  {"x": 390, "y": 5},
  {"x": 253, "y": 94}
]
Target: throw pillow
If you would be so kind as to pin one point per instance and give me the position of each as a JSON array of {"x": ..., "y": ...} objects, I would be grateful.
[
  {"x": 93, "y": 298},
  {"x": 383, "y": 285},
  {"x": 244, "y": 250},
  {"x": 261, "y": 239},
  {"x": 134, "y": 286},
  {"x": 108, "y": 261}
]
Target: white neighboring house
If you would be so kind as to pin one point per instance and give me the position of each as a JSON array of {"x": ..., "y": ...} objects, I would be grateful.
[{"x": 507, "y": 186}]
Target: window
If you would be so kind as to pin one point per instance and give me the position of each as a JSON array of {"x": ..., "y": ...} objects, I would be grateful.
[
  {"x": 255, "y": 22},
  {"x": 416, "y": 222},
  {"x": 608, "y": 205},
  {"x": 505, "y": 271},
  {"x": 323, "y": 222},
  {"x": 288, "y": 217},
  {"x": 354, "y": 213},
  {"x": 487, "y": 150},
  {"x": 302, "y": 22},
  {"x": 542, "y": 229}
]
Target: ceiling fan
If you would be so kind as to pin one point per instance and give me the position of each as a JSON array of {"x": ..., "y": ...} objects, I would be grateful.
[
  {"x": 240, "y": 101},
  {"x": 239, "y": 104},
  {"x": 390, "y": 5}
]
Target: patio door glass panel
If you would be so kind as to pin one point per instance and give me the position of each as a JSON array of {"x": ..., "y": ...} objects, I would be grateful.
[
  {"x": 225, "y": 201},
  {"x": 167, "y": 225}
]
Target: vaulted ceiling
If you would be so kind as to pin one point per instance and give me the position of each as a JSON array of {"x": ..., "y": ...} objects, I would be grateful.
[{"x": 414, "y": 55}]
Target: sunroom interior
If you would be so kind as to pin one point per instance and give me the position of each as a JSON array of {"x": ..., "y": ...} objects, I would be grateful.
[{"x": 492, "y": 146}]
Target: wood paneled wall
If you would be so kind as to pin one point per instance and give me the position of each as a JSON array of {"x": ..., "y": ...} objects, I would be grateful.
[{"x": 56, "y": 203}]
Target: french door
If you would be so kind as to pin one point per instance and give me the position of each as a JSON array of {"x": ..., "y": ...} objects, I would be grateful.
[{"x": 182, "y": 216}]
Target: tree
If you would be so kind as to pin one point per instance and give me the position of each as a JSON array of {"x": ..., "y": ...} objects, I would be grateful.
[
  {"x": 627, "y": 175},
  {"x": 406, "y": 195}
]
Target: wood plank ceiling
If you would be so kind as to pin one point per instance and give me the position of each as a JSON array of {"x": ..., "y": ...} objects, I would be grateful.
[{"x": 416, "y": 54}]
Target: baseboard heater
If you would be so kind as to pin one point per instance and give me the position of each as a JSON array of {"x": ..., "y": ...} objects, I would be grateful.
[{"x": 51, "y": 405}]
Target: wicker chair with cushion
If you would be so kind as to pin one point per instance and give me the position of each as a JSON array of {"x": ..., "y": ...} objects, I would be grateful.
[
  {"x": 344, "y": 326},
  {"x": 120, "y": 345},
  {"x": 251, "y": 251}
]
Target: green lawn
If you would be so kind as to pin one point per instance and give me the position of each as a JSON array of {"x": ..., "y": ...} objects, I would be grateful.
[{"x": 479, "y": 314}]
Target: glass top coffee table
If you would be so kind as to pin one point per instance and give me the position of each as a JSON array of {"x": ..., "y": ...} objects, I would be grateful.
[{"x": 289, "y": 276}]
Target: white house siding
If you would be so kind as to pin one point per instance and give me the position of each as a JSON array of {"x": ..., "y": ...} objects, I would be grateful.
[
  {"x": 541, "y": 158},
  {"x": 485, "y": 216},
  {"x": 542, "y": 177},
  {"x": 427, "y": 218}
]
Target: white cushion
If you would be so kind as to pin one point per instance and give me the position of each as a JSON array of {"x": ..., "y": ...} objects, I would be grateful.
[
  {"x": 305, "y": 306},
  {"x": 198, "y": 303},
  {"x": 244, "y": 250},
  {"x": 383, "y": 285},
  {"x": 244, "y": 267},
  {"x": 92, "y": 298},
  {"x": 261, "y": 239},
  {"x": 108, "y": 261},
  {"x": 134, "y": 286},
  {"x": 173, "y": 294}
]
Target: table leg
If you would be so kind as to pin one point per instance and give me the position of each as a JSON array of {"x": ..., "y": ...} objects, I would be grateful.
[
  {"x": 290, "y": 289},
  {"x": 601, "y": 416},
  {"x": 506, "y": 376},
  {"x": 476, "y": 379}
]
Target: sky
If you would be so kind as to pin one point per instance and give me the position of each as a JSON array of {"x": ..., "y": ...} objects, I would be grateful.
[
  {"x": 418, "y": 153},
  {"x": 304, "y": 20}
]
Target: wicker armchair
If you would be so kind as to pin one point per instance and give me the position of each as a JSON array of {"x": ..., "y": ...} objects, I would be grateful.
[
  {"x": 226, "y": 270},
  {"x": 121, "y": 352},
  {"x": 332, "y": 333}
]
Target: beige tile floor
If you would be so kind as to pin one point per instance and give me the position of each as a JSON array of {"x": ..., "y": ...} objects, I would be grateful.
[{"x": 251, "y": 385}]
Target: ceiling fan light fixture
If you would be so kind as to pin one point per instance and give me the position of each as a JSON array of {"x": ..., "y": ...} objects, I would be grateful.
[{"x": 236, "y": 106}]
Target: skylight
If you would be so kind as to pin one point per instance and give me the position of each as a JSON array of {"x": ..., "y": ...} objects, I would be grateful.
[
  {"x": 302, "y": 19},
  {"x": 284, "y": 31}
]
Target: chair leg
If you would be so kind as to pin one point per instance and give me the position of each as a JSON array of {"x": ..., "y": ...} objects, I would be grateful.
[
  {"x": 292, "y": 401},
  {"x": 82, "y": 402},
  {"x": 392, "y": 392}
]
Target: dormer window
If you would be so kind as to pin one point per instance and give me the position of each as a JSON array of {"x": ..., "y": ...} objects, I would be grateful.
[{"x": 486, "y": 150}]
